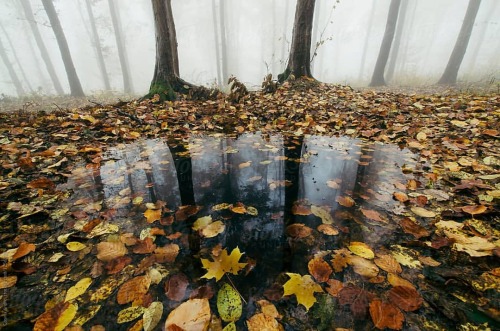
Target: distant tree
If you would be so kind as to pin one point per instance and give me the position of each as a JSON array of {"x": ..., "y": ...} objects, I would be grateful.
[
  {"x": 223, "y": 40},
  {"x": 217, "y": 43},
  {"x": 385, "y": 47},
  {"x": 74, "y": 81},
  {"x": 451, "y": 72},
  {"x": 97, "y": 46},
  {"x": 403, "y": 9},
  {"x": 12, "y": 73},
  {"x": 166, "y": 80},
  {"x": 299, "y": 60},
  {"x": 367, "y": 38},
  {"x": 122, "y": 53},
  {"x": 28, "y": 12}
]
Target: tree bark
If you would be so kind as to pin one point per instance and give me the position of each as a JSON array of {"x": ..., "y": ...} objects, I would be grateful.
[
  {"x": 97, "y": 46},
  {"x": 12, "y": 73},
  {"x": 74, "y": 82},
  {"x": 122, "y": 54},
  {"x": 299, "y": 60},
  {"x": 16, "y": 58},
  {"x": 397, "y": 39},
  {"x": 451, "y": 72},
  {"x": 28, "y": 12},
  {"x": 385, "y": 47}
]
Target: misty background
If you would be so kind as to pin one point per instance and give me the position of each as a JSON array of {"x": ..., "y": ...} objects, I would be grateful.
[{"x": 250, "y": 39}]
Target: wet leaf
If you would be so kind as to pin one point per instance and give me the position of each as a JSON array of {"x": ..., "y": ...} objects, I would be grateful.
[
  {"x": 303, "y": 287},
  {"x": 412, "y": 227},
  {"x": 406, "y": 298},
  {"x": 401, "y": 197},
  {"x": 361, "y": 249},
  {"x": 395, "y": 280},
  {"x": 422, "y": 212},
  {"x": 363, "y": 267},
  {"x": 229, "y": 303},
  {"x": 298, "y": 209},
  {"x": 175, "y": 287},
  {"x": 261, "y": 321},
  {"x": 107, "y": 251},
  {"x": 222, "y": 264},
  {"x": 373, "y": 215},
  {"x": 213, "y": 229},
  {"x": 152, "y": 215},
  {"x": 193, "y": 315},
  {"x": 474, "y": 210},
  {"x": 328, "y": 229},
  {"x": 298, "y": 230},
  {"x": 75, "y": 246},
  {"x": 388, "y": 263},
  {"x": 23, "y": 250},
  {"x": 133, "y": 289},
  {"x": 323, "y": 213},
  {"x": 357, "y": 299},
  {"x": 152, "y": 315},
  {"x": 78, "y": 289},
  {"x": 345, "y": 201},
  {"x": 7, "y": 281},
  {"x": 319, "y": 269},
  {"x": 129, "y": 314},
  {"x": 385, "y": 315},
  {"x": 56, "y": 318}
]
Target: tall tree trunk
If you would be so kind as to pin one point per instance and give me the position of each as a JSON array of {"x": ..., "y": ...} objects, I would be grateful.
[
  {"x": 316, "y": 35},
  {"x": 28, "y": 12},
  {"x": 299, "y": 60},
  {"x": 16, "y": 58},
  {"x": 223, "y": 39},
  {"x": 397, "y": 39},
  {"x": 12, "y": 73},
  {"x": 74, "y": 82},
  {"x": 97, "y": 46},
  {"x": 385, "y": 48},
  {"x": 217, "y": 44},
  {"x": 451, "y": 72},
  {"x": 165, "y": 78},
  {"x": 122, "y": 54},
  {"x": 480, "y": 39}
]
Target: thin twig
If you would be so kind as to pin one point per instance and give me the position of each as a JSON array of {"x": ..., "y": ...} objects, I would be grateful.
[{"x": 232, "y": 284}]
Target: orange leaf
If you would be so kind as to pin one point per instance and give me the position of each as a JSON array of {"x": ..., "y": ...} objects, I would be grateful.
[
  {"x": 56, "y": 318},
  {"x": 107, "y": 251},
  {"x": 319, "y": 269},
  {"x": 373, "y": 215},
  {"x": 145, "y": 246},
  {"x": 133, "y": 289},
  {"x": 7, "y": 281},
  {"x": 388, "y": 263},
  {"x": 22, "y": 250},
  {"x": 152, "y": 215},
  {"x": 385, "y": 315},
  {"x": 474, "y": 210},
  {"x": 167, "y": 253},
  {"x": 400, "y": 196},
  {"x": 301, "y": 210},
  {"x": 298, "y": 230},
  {"x": 41, "y": 182},
  {"x": 334, "y": 287},
  {"x": 413, "y": 228},
  {"x": 345, "y": 201}
]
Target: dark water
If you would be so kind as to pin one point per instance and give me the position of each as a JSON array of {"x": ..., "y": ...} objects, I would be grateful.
[{"x": 272, "y": 174}]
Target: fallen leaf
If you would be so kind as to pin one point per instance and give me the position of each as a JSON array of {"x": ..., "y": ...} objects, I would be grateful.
[
  {"x": 362, "y": 266},
  {"x": 152, "y": 315},
  {"x": 298, "y": 230},
  {"x": 413, "y": 228},
  {"x": 328, "y": 229},
  {"x": 361, "y": 249},
  {"x": 357, "y": 299},
  {"x": 23, "y": 250},
  {"x": 107, "y": 251},
  {"x": 152, "y": 215},
  {"x": 373, "y": 215},
  {"x": 229, "y": 303},
  {"x": 7, "y": 281},
  {"x": 129, "y": 314},
  {"x": 222, "y": 264},
  {"x": 474, "y": 210},
  {"x": 386, "y": 315},
  {"x": 422, "y": 212},
  {"x": 401, "y": 197},
  {"x": 133, "y": 289},
  {"x": 75, "y": 246},
  {"x": 303, "y": 287},
  {"x": 345, "y": 201},
  {"x": 78, "y": 289},
  {"x": 57, "y": 318},
  {"x": 301, "y": 210},
  {"x": 175, "y": 286},
  {"x": 388, "y": 263},
  {"x": 322, "y": 213},
  {"x": 192, "y": 315},
  {"x": 406, "y": 298},
  {"x": 319, "y": 269}
]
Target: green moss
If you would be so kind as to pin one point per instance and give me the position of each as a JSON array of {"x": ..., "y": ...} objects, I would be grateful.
[
  {"x": 323, "y": 310},
  {"x": 164, "y": 90},
  {"x": 283, "y": 76}
]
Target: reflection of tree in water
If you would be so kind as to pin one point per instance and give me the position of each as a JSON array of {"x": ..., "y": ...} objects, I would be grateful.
[{"x": 183, "y": 169}]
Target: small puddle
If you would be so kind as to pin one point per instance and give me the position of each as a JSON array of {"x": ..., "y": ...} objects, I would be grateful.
[{"x": 281, "y": 200}]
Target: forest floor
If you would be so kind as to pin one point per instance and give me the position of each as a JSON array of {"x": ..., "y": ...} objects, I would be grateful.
[{"x": 449, "y": 228}]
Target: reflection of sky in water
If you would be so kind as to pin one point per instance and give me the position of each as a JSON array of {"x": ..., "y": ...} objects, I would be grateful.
[{"x": 252, "y": 170}]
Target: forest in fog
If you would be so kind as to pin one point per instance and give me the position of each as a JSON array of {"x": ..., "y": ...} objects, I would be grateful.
[{"x": 112, "y": 43}]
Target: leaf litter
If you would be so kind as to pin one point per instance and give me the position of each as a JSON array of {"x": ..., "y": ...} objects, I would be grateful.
[{"x": 80, "y": 234}]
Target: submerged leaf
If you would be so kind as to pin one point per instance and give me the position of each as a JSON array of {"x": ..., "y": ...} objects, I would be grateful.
[
  {"x": 222, "y": 264},
  {"x": 303, "y": 287},
  {"x": 192, "y": 315},
  {"x": 229, "y": 303}
]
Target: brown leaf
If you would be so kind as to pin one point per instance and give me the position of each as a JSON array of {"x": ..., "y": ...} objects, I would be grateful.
[
  {"x": 319, "y": 269},
  {"x": 475, "y": 209},
  {"x": 23, "y": 250},
  {"x": 400, "y": 196},
  {"x": 167, "y": 253},
  {"x": 107, "y": 251},
  {"x": 192, "y": 315},
  {"x": 340, "y": 259},
  {"x": 345, "y": 201},
  {"x": 413, "y": 228},
  {"x": 395, "y": 280},
  {"x": 43, "y": 183},
  {"x": 385, "y": 315},
  {"x": 373, "y": 215},
  {"x": 298, "y": 230},
  {"x": 405, "y": 298},
  {"x": 175, "y": 287},
  {"x": 7, "y": 281},
  {"x": 302, "y": 210},
  {"x": 357, "y": 298},
  {"x": 145, "y": 246},
  {"x": 388, "y": 263},
  {"x": 56, "y": 318},
  {"x": 334, "y": 287},
  {"x": 328, "y": 229},
  {"x": 116, "y": 265},
  {"x": 133, "y": 289}
]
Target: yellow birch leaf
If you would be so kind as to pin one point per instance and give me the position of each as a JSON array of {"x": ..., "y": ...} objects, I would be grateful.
[
  {"x": 152, "y": 315},
  {"x": 130, "y": 314},
  {"x": 75, "y": 246},
  {"x": 78, "y": 289},
  {"x": 303, "y": 287},
  {"x": 322, "y": 213},
  {"x": 202, "y": 222},
  {"x": 361, "y": 249},
  {"x": 229, "y": 303},
  {"x": 57, "y": 318},
  {"x": 213, "y": 229}
]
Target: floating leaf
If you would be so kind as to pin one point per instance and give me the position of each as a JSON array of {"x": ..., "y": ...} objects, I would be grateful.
[
  {"x": 78, "y": 289},
  {"x": 361, "y": 249},
  {"x": 395, "y": 280},
  {"x": 388, "y": 263},
  {"x": 56, "y": 318},
  {"x": 363, "y": 267},
  {"x": 229, "y": 303},
  {"x": 373, "y": 215},
  {"x": 130, "y": 314},
  {"x": 175, "y": 287},
  {"x": 298, "y": 230},
  {"x": 345, "y": 201},
  {"x": 328, "y": 229},
  {"x": 192, "y": 315},
  {"x": 222, "y": 264},
  {"x": 303, "y": 287},
  {"x": 333, "y": 184},
  {"x": 474, "y": 210},
  {"x": 322, "y": 213},
  {"x": 107, "y": 251},
  {"x": 213, "y": 229},
  {"x": 23, "y": 250},
  {"x": 133, "y": 289},
  {"x": 75, "y": 246},
  {"x": 412, "y": 227},
  {"x": 401, "y": 197},
  {"x": 385, "y": 315},
  {"x": 319, "y": 269},
  {"x": 202, "y": 222},
  {"x": 152, "y": 315},
  {"x": 406, "y": 298},
  {"x": 422, "y": 212},
  {"x": 261, "y": 321},
  {"x": 298, "y": 209}
]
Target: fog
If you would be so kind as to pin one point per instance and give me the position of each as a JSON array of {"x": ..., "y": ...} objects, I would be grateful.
[{"x": 257, "y": 40}]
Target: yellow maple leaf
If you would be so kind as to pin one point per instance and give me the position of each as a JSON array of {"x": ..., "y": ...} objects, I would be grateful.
[
  {"x": 303, "y": 287},
  {"x": 222, "y": 264}
]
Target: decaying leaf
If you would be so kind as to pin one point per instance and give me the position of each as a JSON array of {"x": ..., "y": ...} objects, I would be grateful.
[
  {"x": 193, "y": 315},
  {"x": 345, "y": 201},
  {"x": 373, "y": 215},
  {"x": 319, "y": 269},
  {"x": 303, "y": 287},
  {"x": 357, "y": 299},
  {"x": 323, "y": 213},
  {"x": 385, "y": 315},
  {"x": 152, "y": 315},
  {"x": 7, "y": 281},
  {"x": 229, "y": 303},
  {"x": 57, "y": 318},
  {"x": 388, "y": 263},
  {"x": 406, "y": 298},
  {"x": 222, "y": 264},
  {"x": 422, "y": 212},
  {"x": 133, "y": 289},
  {"x": 129, "y": 314},
  {"x": 261, "y": 321},
  {"x": 298, "y": 230},
  {"x": 107, "y": 251},
  {"x": 78, "y": 289},
  {"x": 362, "y": 266},
  {"x": 412, "y": 227}
]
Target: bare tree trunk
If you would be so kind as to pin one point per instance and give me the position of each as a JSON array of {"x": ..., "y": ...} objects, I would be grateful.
[
  {"x": 473, "y": 57},
  {"x": 97, "y": 46},
  {"x": 12, "y": 73},
  {"x": 122, "y": 54},
  {"x": 28, "y": 12},
  {"x": 16, "y": 58},
  {"x": 217, "y": 45},
  {"x": 222, "y": 16},
  {"x": 397, "y": 39},
  {"x": 385, "y": 48},
  {"x": 451, "y": 72},
  {"x": 299, "y": 61},
  {"x": 74, "y": 82}
]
